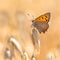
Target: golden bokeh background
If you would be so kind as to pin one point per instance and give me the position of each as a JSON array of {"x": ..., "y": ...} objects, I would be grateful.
[{"x": 30, "y": 9}]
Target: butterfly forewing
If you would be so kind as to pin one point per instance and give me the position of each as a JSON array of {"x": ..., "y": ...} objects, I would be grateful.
[{"x": 44, "y": 18}]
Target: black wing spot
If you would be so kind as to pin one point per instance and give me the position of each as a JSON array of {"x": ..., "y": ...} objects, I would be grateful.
[
  {"x": 46, "y": 16},
  {"x": 42, "y": 17},
  {"x": 46, "y": 20}
]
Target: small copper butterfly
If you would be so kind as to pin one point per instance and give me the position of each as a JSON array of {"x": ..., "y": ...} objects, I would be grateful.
[{"x": 41, "y": 22}]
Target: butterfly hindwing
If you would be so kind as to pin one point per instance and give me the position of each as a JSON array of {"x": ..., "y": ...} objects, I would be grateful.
[{"x": 41, "y": 26}]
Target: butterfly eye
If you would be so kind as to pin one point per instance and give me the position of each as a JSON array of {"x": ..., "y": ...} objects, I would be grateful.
[{"x": 32, "y": 20}]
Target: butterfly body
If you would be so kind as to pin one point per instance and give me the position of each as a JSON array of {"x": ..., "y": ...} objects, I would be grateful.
[{"x": 41, "y": 23}]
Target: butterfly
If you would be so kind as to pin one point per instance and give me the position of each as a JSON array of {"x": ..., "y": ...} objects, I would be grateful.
[{"x": 41, "y": 22}]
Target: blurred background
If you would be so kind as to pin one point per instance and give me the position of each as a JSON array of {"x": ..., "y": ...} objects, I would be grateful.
[{"x": 15, "y": 20}]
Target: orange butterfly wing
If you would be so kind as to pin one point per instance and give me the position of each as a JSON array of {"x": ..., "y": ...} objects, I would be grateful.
[
  {"x": 41, "y": 23},
  {"x": 43, "y": 18}
]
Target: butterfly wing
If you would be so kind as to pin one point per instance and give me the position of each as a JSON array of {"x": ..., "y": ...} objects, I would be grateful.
[
  {"x": 43, "y": 18},
  {"x": 41, "y": 23},
  {"x": 41, "y": 26}
]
